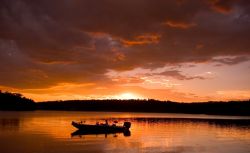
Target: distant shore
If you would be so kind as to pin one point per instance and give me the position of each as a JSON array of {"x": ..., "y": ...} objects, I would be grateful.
[
  {"x": 15, "y": 101},
  {"x": 240, "y": 108}
]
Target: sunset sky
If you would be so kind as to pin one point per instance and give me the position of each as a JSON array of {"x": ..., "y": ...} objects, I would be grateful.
[{"x": 180, "y": 50}]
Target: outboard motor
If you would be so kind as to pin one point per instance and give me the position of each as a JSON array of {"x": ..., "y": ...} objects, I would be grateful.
[{"x": 127, "y": 125}]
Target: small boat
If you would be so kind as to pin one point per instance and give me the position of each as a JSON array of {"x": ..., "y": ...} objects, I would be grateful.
[{"x": 101, "y": 128}]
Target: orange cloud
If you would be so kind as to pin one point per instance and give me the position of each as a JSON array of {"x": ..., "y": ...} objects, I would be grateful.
[
  {"x": 127, "y": 80},
  {"x": 179, "y": 25},
  {"x": 223, "y": 7},
  {"x": 143, "y": 40}
]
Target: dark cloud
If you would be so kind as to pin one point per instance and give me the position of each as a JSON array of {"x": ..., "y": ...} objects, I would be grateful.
[
  {"x": 46, "y": 42},
  {"x": 178, "y": 75},
  {"x": 232, "y": 60}
]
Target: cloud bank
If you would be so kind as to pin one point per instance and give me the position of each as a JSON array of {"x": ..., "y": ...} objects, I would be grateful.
[{"x": 44, "y": 43}]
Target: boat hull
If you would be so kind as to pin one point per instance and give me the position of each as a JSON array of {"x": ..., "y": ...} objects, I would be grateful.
[{"x": 99, "y": 128}]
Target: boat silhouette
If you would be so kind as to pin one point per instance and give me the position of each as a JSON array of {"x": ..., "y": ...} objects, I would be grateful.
[{"x": 87, "y": 129}]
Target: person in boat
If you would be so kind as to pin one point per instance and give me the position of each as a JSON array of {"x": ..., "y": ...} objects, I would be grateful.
[
  {"x": 105, "y": 124},
  {"x": 114, "y": 124},
  {"x": 82, "y": 122}
]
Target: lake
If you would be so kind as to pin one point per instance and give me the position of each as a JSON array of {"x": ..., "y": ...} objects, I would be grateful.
[{"x": 51, "y": 132}]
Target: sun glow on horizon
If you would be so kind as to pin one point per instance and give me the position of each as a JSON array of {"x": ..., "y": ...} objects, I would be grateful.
[{"x": 128, "y": 95}]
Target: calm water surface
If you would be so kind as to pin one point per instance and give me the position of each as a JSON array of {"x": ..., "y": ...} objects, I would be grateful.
[{"x": 51, "y": 132}]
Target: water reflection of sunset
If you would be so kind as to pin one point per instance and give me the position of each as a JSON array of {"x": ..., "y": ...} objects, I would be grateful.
[
  {"x": 168, "y": 133},
  {"x": 150, "y": 132}
]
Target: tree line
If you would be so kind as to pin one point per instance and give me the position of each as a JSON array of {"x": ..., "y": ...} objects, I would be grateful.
[
  {"x": 15, "y": 101},
  {"x": 150, "y": 105}
]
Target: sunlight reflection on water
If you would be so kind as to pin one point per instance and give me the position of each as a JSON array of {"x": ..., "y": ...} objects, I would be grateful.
[{"x": 50, "y": 131}]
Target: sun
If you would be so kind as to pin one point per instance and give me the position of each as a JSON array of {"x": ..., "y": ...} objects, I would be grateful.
[{"x": 128, "y": 96}]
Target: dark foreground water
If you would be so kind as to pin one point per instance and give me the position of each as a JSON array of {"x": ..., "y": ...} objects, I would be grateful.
[{"x": 51, "y": 132}]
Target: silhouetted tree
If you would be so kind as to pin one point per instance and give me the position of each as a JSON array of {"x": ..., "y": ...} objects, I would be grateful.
[{"x": 15, "y": 101}]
